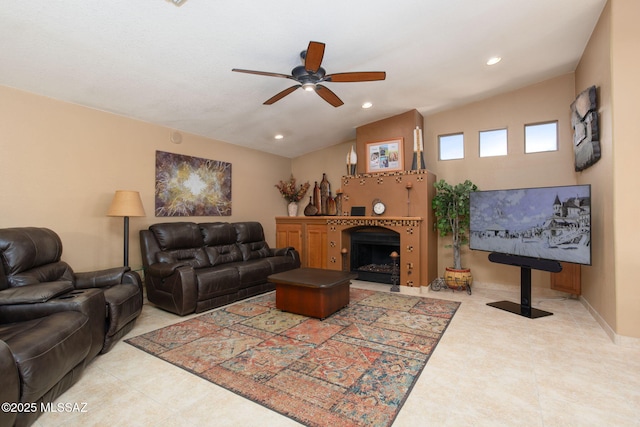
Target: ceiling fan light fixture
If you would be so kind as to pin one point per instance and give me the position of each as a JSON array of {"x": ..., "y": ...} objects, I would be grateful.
[
  {"x": 309, "y": 86},
  {"x": 494, "y": 60},
  {"x": 367, "y": 105},
  {"x": 177, "y": 2},
  {"x": 279, "y": 136}
]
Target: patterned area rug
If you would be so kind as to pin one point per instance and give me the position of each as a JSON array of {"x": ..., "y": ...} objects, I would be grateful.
[{"x": 355, "y": 368}]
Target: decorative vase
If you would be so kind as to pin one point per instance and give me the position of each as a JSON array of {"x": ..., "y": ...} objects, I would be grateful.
[
  {"x": 316, "y": 198},
  {"x": 352, "y": 160},
  {"x": 310, "y": 210},
  {"x": 338, "y": 200},
  {"x": 292, "y": 208},
  {"x": 331, "y": 205},
  {"x": 324, "y": 194},
  {"x": 456, "y": 279}
]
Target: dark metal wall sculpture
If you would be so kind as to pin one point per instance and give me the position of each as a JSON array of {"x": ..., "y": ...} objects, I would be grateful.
[{"x": 586, "y": 133}]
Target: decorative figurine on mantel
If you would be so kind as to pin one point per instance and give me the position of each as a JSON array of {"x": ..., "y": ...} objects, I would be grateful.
[
  {"x": 418, "y": 150},
  {"x": 352, "y": 161}
]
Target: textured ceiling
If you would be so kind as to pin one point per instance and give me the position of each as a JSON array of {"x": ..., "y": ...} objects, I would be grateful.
[{"x": 153, "y": 61}]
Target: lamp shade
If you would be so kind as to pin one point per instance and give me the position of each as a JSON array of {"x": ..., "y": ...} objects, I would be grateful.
[{"x": 126, "y": 203}]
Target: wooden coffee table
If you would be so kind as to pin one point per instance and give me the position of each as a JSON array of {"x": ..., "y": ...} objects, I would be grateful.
[{"x": 312, "y": 292}]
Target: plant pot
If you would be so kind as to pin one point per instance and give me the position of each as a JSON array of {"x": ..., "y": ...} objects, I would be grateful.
[{"x": 456, "y": 279}]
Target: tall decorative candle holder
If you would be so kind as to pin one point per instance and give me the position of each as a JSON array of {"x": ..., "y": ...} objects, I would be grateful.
[{"x": 394, "y": 272}]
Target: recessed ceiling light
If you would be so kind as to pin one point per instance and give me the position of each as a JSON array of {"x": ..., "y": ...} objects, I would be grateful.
[
  {"x": 279, "y": 136},
  {"x": 494, "y": 60},
  {"x": 367, "y": 105}
]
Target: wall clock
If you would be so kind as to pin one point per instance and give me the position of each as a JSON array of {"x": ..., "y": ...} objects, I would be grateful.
[{"x": 378, "y": 207}]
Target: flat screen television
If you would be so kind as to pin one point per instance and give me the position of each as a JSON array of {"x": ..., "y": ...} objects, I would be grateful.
[{"x": 550, "y": 223}]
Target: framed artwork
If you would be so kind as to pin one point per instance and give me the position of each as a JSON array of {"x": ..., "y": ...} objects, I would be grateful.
[
  {"x": 385, "y": 156},
  {"x": 192, "y": 186}
]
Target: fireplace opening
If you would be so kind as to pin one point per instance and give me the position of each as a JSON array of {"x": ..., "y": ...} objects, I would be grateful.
[{"x": 371, "y": 255}]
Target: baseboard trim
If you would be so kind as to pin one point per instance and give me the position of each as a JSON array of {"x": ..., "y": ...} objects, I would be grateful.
[{"x": 621, "y": 340}]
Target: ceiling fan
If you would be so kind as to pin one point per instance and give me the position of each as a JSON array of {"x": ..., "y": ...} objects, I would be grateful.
[{"x": 311, "y": 74}]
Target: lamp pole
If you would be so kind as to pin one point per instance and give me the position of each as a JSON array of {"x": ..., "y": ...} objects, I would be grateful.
[{"x": 126, "y": 241}]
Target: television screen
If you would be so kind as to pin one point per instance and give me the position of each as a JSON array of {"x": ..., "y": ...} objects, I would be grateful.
[{"x": 551, "y": 223}]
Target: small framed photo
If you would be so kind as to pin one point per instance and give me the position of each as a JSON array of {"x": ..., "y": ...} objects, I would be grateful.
[{"x": 385, "y": 156}]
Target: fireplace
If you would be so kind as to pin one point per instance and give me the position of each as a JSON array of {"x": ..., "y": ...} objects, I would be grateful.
[{"x": 370, "y": 254}]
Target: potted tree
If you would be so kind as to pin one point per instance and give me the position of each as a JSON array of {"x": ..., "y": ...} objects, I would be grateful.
[{"x": 451, "y": 208}]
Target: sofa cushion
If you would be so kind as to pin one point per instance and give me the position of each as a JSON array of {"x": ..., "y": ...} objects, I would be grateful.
[
  {"x": 224, "y": 254},
  {"x": 254, "y": 250},
  {"x": 25, "y": 248},
  {"x": 218, "y": 233},
  {"x": 46, "y": 349},
  {"x": 177, "y": 235},
  {"x": 195, "y": 257},
  {"x": 249, "y": 231},
  {"x": 54, "y": 272},
  {"x": 253, "y": 272},
  {"x": 217, "y": 281},
  {"x": 251, "y": 241}
]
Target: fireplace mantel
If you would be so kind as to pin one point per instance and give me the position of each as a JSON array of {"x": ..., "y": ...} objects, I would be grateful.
[
  {"x": 374, "y": 221},
  {"x": 324, "y": 241}
]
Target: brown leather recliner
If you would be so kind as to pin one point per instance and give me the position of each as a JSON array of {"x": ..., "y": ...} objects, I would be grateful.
[
  {"x": 52, "y": 320},
  {"x": 32, "y": 255}
]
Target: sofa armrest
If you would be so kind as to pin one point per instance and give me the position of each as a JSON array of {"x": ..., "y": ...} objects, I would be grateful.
[
  {"x": 164, "y": 269},
  {"x": 100, "y": 278},
  {"x": 288, "y": 251},
  {"x": 172, "y": 287},
  {"x": 33, "y": 294}
]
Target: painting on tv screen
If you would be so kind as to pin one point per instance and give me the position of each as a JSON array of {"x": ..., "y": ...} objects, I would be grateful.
[{"x": 548, "y": 223}]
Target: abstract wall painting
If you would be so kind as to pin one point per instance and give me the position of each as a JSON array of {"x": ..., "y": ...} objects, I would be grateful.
[{"x": 192, "y": 186}]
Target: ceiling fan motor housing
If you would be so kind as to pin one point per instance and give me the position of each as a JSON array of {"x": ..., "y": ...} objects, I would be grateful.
[{"x": 303, "y": 76}]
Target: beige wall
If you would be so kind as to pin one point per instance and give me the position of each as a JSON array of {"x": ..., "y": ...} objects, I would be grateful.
[
  {"x": 598, "y": 281},
  {"x": 610, "y": 61},
  {"x": 61, "y": 163},
  {"x": 625, "y": 93},
  {"x": 546, "y": 101}
]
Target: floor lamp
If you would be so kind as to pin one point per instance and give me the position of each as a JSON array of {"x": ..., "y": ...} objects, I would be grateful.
[{"x": 125, "y": 204}]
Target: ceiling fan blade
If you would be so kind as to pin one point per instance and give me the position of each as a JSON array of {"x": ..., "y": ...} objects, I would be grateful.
[
  {"x": 281, "y": 95},
  {"x": 263, "y": 73},
  {"x": 313, "y": 57},
  {"x": 357, "y": 76},
  {"x": 328, "y": 96}
]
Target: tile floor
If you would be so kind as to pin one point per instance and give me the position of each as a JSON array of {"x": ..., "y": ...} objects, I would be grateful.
[{"x": 491, "y": 368}]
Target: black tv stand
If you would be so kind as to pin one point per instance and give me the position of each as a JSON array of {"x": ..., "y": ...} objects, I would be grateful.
[{"x": 525, "y": 264}]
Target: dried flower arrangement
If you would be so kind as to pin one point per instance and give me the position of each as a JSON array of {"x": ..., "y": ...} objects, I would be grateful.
[{"x": 289, "y": 190}]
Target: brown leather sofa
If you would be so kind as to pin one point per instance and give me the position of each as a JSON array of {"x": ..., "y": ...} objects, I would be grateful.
[
  {"x": 193, "y": 267},
  {"x": 54, "y": 321}
]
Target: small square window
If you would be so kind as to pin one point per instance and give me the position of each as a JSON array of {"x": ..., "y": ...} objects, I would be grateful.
[
  {"x": 451, "y": 146},
  {"x": 493, "y": 143},
  {"x": 541, "y": 137}
]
